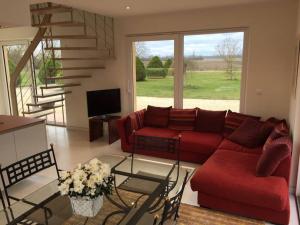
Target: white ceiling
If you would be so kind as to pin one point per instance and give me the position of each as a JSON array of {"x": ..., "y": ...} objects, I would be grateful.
[{"x": 116, "y": 8}]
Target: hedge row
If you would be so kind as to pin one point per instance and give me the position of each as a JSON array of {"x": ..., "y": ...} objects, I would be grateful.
[{"x": 157, "y": 72}]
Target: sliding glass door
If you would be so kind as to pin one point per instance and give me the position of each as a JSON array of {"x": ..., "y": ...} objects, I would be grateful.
[
  {"x": 212, "y": 70},
  {"x": 189, "y": 70},
  {"x": 154, "y": 73}
]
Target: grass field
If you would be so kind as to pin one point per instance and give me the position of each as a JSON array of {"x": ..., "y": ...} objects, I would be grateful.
[{"x": 198, "y": 85}]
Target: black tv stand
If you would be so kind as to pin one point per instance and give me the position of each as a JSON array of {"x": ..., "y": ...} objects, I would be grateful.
[{"x": 96, "y": 127}]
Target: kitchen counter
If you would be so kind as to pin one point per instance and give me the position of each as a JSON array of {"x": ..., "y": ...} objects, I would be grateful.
[{"x": 12, "y": 123}]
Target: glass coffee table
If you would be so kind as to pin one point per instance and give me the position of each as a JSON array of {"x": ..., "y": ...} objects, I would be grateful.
[{"x": 139, "y": 182}]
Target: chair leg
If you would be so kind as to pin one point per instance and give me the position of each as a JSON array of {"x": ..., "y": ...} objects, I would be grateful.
[{"x": 46, "y": 216}]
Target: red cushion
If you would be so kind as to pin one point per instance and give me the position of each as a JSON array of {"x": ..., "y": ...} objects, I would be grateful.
[
  {"x": 210, "y": 121},
  {"x": 230, "y": 145},
  {"x": 157, "y": 132},
  {"x": 204, "y": 143},
  {"x": 140, "y": 118},
  {"x": 233, "y": 120},
  {"x": 182, "y": 119},
  {"x": 231, "y": 175},
  {"x": 273, "y": 155},
  {"x": 251, "y": 133},
  {"x": 280, "y": 130},
  {"x": 157, "y": 116}
]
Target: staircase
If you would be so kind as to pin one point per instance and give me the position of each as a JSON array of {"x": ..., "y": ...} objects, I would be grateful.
[{"x": 72, "y": 45}]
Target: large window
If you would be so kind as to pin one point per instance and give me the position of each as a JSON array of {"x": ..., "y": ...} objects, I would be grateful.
[
  {"x": 189, "y": 70},
  {"x": 154, "y": 73},
  {"x": 212, "y": 71}
]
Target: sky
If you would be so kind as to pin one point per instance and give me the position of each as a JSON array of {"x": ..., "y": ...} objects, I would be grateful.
[{"x": 200, "y": 45}]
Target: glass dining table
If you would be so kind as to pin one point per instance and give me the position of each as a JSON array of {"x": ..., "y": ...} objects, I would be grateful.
[{"x": 139, "y": 183}]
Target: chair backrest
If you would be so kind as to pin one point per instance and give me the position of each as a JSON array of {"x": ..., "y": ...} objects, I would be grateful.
[
  {"x": 27, "y": 167},
  {"x": 2, "y": 200},
  {"x": 156, "y": 144},
  {"x": 172, "y": 205}
]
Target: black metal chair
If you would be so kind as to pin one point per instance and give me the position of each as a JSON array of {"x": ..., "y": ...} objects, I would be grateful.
[
  {"x": 172, "y": 205},
  {"x": 158, "y": 144},
  {"x": 169, "y": 209},
  {"x": 22, "y": 169}
]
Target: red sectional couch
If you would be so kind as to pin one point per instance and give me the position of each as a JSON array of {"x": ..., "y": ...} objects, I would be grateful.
[{"x": 245, "y": 162}]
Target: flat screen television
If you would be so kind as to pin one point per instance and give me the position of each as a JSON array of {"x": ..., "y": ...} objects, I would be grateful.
[{"x": 103, "y": 102}]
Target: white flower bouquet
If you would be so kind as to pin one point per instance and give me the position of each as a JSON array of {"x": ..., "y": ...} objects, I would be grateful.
[
  {"x": 86, "y": 186},
  {"x": 89, "y": 180}
]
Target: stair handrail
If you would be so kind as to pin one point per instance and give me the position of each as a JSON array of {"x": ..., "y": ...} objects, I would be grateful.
[{"x": 24, "y": 60}]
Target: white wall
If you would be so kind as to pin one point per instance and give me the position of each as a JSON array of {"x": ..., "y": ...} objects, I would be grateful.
[
  {"x": 271, "y": 46},
  {"x": 270, "y": 60},
  {"x": 14, "y": 13},
  {"x": 295, "y": 117}
]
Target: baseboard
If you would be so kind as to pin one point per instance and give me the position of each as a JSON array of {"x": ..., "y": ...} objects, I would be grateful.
[{"x": 77, "y": 128}]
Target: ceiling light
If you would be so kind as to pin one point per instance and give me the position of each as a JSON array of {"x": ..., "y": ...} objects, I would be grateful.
[{"x": 127, "y": 7}]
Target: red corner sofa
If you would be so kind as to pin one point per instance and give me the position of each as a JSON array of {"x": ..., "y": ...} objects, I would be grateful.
[{"x": 245, "y": 161}]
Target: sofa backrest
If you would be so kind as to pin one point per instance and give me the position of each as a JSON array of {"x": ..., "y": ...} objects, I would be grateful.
[{"x": 182, "y": 119}]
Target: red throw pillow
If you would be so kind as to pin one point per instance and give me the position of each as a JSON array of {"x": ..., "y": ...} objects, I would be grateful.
[
  {"x": 272, "y": 156},
  {"x": 182, "y": 119},
  {"x": 157, "y": 116},
  {"x": 280, "y": 130},
  {"x": 140, "y": 118},
  {"x": 251, "y": 133},
  {"x": 233, "y": 120},
  {"x": 210, "y": 121}
]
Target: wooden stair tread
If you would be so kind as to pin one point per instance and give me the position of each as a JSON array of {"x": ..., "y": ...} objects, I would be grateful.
[
  {"x": 87, "y": 58},
  {"x": 79, "y": 68},
  {"x": 64, "y": 24},
  {"x": 71, "y": 48},
  {"x": 69, "y": 77},
  {"x": 55, "y": 93},
  {"x": 45, "y": 102},
  {"x": 60, "y": 86},
  {"x": 43, "y": 114},
  {"x": 37, "y": 110},
  {"x": 71, "y": 37},
  {"x": 51, "y": 9}
]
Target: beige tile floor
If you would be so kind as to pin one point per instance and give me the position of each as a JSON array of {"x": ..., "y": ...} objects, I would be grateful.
[{"x": 72, "y": 147}]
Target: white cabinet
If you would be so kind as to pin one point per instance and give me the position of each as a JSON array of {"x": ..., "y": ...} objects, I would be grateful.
[
  {"x": 21, "y": 143},
  {"x": 30, "y": 140},
  {"x": 7, "y": 149}
]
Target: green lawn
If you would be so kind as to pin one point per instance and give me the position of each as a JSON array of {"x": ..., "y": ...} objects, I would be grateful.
[{"x": 198, "y": 85}]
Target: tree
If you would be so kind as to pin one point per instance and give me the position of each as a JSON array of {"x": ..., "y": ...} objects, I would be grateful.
[
  {"x": 155, "y": 62},
  {"x": 46, "y": 71},
  {"x": 140, "y": 70},
  {"x": 229, "y": 49},
  {"x": 12, "y": 67},
  {"x": 168, "y": 63},
  {"x": 141, "y": 49}
]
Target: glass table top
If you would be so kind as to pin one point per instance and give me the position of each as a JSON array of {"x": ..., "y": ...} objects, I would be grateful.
[{"x": 141, "y": 166}]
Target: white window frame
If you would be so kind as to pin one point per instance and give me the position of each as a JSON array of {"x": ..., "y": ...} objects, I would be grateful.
[{"x": 178, "y": 38}]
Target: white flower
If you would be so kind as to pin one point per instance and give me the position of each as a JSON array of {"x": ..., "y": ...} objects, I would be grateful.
[
  {"x": 88, "y": 177},
  {"x": 98, "y": 178},
  {"x": 64, "y": 175},
  {"x": 78, "y": 187},
  {"x": 106, "y": 169},
  {"x": 63, "y": 188},
  {"x": 91, "y": 182},
  {"x": 79, "y": 175}
]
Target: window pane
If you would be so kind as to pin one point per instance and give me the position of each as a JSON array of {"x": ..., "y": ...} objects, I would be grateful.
[
  {"x": 212, "y": 71},
  {"x": 154, "y": 73}
]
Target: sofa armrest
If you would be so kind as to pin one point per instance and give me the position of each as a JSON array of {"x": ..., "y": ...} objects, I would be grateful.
[
  {"x": 121, "y": 125},
  {"x": 284, "y": 169}
]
